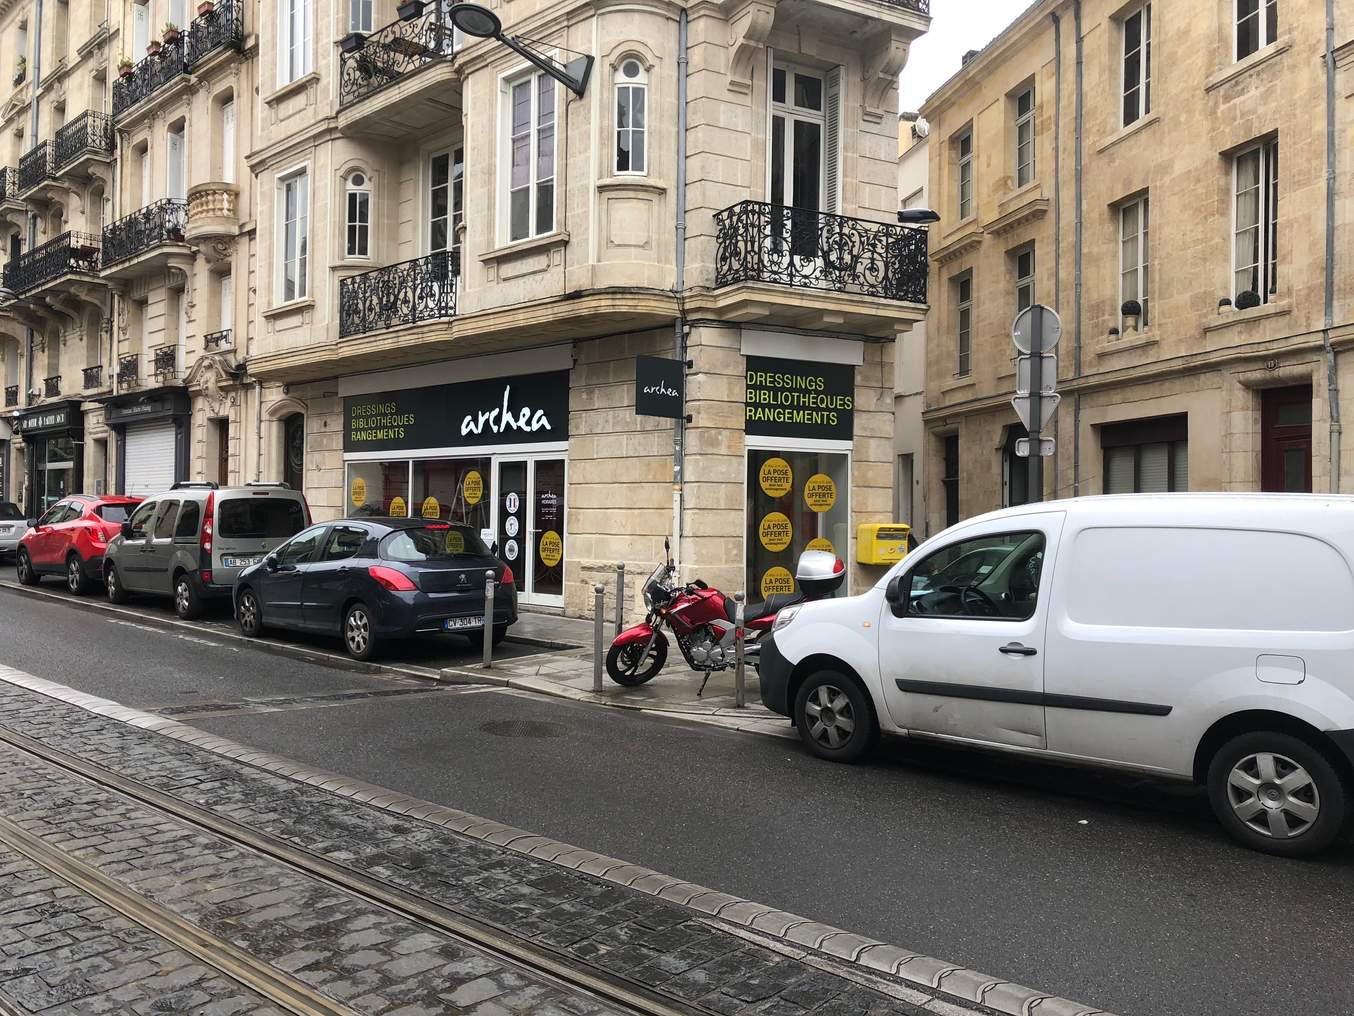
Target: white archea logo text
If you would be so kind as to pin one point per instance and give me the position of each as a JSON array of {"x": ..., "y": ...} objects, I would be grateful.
[
  {"x": 502, "y": 419},
  {"x": 660, "y": 389}
]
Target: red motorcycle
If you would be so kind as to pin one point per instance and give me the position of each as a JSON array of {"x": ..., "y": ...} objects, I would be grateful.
[{"x": 703, "y": 620}]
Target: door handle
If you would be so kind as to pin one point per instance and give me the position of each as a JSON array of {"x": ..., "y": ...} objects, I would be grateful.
[
  {"x": 344, "y": 570},
  {"x": 1016, "y": 649}
]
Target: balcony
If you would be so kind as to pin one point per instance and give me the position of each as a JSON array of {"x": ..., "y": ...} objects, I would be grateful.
[
  {"x": 217, "y": 340},
  {"x": 85, "y": 142},
  {"x": 92, "y": 377},
  {"x": 213, "y": 214},
  {"x": 129, "y": 369},
  {"x": 165, "y": 362},
  {"x": 812, "y": 268},
  {"x": 37, "y": 166},
  {"x": 219, "y": 30},
  {"x": 150, "y": 75},
  {"x": 145, "y": 241},
  {"x": 400, "y": 79},
  {"x": 9, "y": 186},
  {"x": 70, "y": 253},
  {"x": 51, "y": 387},
  {"x": 12, "y": 396},
  {"x": 423, "y": 289}
]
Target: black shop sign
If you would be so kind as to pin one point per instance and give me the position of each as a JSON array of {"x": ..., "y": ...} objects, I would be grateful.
[
  {"x": 658, "y": 387},
  {"x": 799, "y": 398},
  {"x": 525, "y": 409}
]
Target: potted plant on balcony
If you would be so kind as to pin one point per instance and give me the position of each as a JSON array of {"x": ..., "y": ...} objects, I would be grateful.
[
  {"x": 205, "y": 7},
  {"x": 152, "y": 47},
  {"x": 409, "y": 10},
  {"x": 126, "y": 66},
  {"x": 20, "y": 70},
  {"x": 1132, "y": 312},
  {"x": 1247, "y": 299},
  {"x": 352, "y": 42},
  {"x": 171, "y": 33}
]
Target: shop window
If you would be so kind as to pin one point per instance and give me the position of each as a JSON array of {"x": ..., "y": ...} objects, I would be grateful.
[
  {"x": 378, "y": 488},
  {"x": 797, "y": 501},
  {"x": 1146, "y": 456},
  {"x": 456, "y": 490}
]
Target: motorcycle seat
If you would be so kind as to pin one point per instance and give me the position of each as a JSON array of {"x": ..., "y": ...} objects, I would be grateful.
[{"x": 771, "y": 605}]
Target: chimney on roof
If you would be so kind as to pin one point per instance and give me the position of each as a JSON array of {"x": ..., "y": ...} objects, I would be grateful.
[{"x": 967, "y": 57}]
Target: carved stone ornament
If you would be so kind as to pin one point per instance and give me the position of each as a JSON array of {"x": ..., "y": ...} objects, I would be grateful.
[
  {"x": 750, "y": 23},
  {"x": 884, "y": 61}
]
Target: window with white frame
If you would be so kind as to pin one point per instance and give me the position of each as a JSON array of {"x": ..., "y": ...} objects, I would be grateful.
[
  {"x": 1024, "y": 136},
  {"x": 357, "y": 222},
  {"x": 963, "y": 150},
  {"x": 176, "y": 161},
  {"x": 293, "y": 231},
  {"x": 530, "y": 116},
  {"x": 228, "y": 140},
  {"x": 1133, "y": 257},
  {"x": 1137, "y": 28},
  {"x": 963, "y": 306},
  {"x": 1257, "y": 25},
  {"x": 1024, "y": 273},
  {"x": 295, "y": 30},
  {"x": 1255, "y": 259},
  {"x": 631, "y": 117},
  {"x": 359, "y": 15}
]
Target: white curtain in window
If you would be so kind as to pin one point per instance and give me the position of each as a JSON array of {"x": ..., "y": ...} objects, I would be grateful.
[
  {"x": 177, "y": 167},
  {"x": 228, "y": 142},
  {"x": 226, "y": 317},
  {"x": 295, "y": 240},
  {"x": 140, "y": 30}
]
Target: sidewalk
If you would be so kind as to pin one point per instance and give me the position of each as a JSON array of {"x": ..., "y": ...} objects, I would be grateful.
[{"x": 553, "y": 631}]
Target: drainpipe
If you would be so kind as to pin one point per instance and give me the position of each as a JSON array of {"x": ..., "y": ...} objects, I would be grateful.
[
  {"x": 679, "y": 283},
  {"x": 1076, "y": 253},
  {"x": 1332, "y": 378},
  {"x": 1057, "y": 205},
  {"x": 33, "y": 138}
]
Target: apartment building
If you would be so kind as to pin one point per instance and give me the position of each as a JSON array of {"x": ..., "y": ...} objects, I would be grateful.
[
  {"x": 1157, "y": 172},
  {"x": 448, "y": 261}
]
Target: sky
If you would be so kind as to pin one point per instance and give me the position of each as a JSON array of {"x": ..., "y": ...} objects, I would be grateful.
[{"x": 956, "y": 27}]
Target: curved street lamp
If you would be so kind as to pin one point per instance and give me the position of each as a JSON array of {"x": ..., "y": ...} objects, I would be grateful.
[{"x": 482, "y": 23}]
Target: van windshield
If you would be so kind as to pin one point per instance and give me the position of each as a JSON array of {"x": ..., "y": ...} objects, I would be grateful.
[
  {"x": 259, "y": 518},
  {"x": 437, "y": 542}
]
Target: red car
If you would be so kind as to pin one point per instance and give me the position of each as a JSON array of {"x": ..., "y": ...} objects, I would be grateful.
[{"x": 70, "y": 539}]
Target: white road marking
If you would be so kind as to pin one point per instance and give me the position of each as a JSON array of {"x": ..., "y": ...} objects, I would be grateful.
[{"x": 161, "y": 631}]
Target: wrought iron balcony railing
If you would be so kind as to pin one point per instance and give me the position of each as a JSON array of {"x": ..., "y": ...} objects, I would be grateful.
[
  {"x": 36, "y": 165},
  {"x": 149, "y": 75},
  {"x": 394, "y": 51},
  {"x": 9, "y": 183},
  {"x": 93, "y": 376},
  {"x": 758, "y": 242},
  {"x": 920, "y": 6},
  {"x": 221, "y": 28},
  {"x": 51, "y": 386},
  {"x": 90, "y": 133},
  {"x": 166, "y": 360},
  {"x": 12, "y": 395},
  {"x": 419, "y": 290},
  {"x": 217, "y": 340},
  {"x": 129, "y": 368},
  {"x": 147, "y": 228},
  {"x": 67, "y": 253}
]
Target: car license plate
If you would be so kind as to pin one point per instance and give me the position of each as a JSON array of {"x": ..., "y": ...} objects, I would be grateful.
[
  {"x": 238, "y": 562},
  {"x": 455, "y": 623}
]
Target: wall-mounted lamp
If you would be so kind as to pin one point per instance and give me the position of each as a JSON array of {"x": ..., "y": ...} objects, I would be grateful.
[
  {"x": 918, "y": 216},
  {"x": 482, "y": 23}
]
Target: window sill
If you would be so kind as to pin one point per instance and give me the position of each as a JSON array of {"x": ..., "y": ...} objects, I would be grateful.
[
  {"x": 966, "y": 381},
  {"x": 292, "y": 88},
  {"x": 1127, "y": 343},
  {"x": 546, "y": 241},
  {"x": 1276, "y": 308},
  {"x": 290, "y": 307},
  {"x": 1140, "y": 124},
  {"x": 1232, "y": 71},
  {"x": 635, "y": 182}
]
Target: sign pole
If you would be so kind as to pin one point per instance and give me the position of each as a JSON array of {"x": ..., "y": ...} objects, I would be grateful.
[{"x": 1036, "y": 492}]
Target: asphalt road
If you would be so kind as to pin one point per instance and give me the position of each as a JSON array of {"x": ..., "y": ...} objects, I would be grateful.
[{"x": 1115, "y": 891}]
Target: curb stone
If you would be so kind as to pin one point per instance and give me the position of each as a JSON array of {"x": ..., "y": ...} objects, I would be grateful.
[{"x": 789, "y": 931}]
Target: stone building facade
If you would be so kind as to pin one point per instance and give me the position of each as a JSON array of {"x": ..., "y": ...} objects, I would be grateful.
[
  {"x": 437, "y": 266},
  {"x": 1157, "y": 173}
]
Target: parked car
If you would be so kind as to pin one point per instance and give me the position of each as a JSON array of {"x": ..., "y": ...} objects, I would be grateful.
[
  {"x": 13, "y": 525},
  {"x": 192, "y": 541},
  {"x": 71, "y": 539},
  {"x": 370, "y": 580},
  {"x": 1202, "y": 637}
]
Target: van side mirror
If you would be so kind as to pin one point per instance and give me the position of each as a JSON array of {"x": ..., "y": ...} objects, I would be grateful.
[
  {"x": 126, "y": 528},
  {"x": 893, "y": 595}
]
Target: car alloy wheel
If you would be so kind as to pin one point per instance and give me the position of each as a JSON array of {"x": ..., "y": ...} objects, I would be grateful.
[
  {"x": 75, "y": 576},
  {"x": 23, "y": 564},
  {"x": 357, "y": 632},
  {"x": 1273, "y": 795},
  {"x": 248, "y": 612},
  {"x": 831, "y": 718},
  {"x": 183, "y": 597}
]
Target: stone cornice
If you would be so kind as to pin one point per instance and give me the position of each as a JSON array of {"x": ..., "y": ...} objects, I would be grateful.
[
  {"x": 1031, "y": 207},
  {"x": 964, "y": 242}
]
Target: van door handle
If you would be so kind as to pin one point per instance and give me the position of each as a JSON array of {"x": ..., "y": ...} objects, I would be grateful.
[{"x": 1016, "y": 649}]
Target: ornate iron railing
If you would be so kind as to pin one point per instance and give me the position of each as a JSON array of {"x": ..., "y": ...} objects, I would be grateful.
[
  {"x": 419, "y": 290},
  {"x": 90, "y": 133},
  {"x": 166, "y": 360},
  {"x": 51, "y": 386},
  {"x": 129, "y": 368},
  {"x": 12, "y": 395},
  {"x": 395, "y": 51},
  {"x": 9, "y": 183},
  {"x": 93, "y": 376},
  {"x": 150, "y": 75},
  {"x": 920, "y": 6},
  {"x": 69, "y": 252},
  {"x": 758, "y": 242},
  {"x": 36, "y": 165},
  {"x": 157, "y": 223},
  {"x": 222, "y": 28},
  {"x": 216, "y": 340}
]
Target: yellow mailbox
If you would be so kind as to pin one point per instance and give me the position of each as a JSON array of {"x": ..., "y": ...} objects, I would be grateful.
[{"x": 882, "y": 542}]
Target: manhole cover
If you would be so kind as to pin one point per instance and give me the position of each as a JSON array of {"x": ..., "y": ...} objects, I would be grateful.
[{"x": 524, "y": 728}]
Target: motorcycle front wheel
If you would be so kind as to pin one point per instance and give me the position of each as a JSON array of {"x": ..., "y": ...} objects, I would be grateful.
[{"x": 628, "y": 665}]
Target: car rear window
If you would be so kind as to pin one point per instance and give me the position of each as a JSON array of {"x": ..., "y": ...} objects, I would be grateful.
[
  {"x": 259, "y": 518},
  {"x": 115, "y": 513},
  {"x": 9, "y": 511},
  {"x": 437, "y": 542}
]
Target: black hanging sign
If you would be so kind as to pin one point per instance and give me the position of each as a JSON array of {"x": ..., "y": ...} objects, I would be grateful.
[
  {"x": 659, "y": 385},
  {"x": 800, "y": 398}
]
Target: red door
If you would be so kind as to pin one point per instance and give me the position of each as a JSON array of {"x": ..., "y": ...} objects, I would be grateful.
[{"x": 1286, "y": 440}]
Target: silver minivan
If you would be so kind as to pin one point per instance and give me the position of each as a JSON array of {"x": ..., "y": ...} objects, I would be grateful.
[{"x": 193, "y": 540}]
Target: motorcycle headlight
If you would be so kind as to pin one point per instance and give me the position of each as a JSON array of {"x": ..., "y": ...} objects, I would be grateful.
[{"x": 785, "y": 617}]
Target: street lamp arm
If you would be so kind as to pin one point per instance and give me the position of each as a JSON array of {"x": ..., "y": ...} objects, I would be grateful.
[{"x": 573, "y": 75}]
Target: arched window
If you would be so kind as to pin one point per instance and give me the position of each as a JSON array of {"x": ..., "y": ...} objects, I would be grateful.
[
  {"x": 358, "y": 221},
  {"x": 631, "y": 117}
]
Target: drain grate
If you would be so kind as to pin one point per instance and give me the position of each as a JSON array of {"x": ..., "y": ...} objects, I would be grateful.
[{"x": 524, "y": 728}]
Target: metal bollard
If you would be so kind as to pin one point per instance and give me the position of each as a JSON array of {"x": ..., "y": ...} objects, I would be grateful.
[
  {"x": 620, "y": 596},
  {"x": 488, "y": 662},
  {"x": 738, "y": 692},
  {"x": 598, "y": 634}
]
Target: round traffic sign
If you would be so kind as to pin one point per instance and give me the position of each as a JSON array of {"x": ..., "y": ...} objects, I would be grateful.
[{"x": 1036, "y": 329}]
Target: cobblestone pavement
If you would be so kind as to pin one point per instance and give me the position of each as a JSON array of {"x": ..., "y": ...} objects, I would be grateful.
[{"x": 365, "y": 958}]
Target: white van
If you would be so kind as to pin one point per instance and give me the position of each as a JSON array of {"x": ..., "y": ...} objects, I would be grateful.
[{"x": 1208, "y": 637}]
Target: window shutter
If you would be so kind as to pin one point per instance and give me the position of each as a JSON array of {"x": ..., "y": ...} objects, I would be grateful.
[{"x": 832, "y": 142}]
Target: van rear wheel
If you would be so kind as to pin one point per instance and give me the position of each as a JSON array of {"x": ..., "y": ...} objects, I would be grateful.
[
  {"x": 834, "y": 717},
  {"x": 1278, "y": 794},
  {"x": 187, "y": 603}
]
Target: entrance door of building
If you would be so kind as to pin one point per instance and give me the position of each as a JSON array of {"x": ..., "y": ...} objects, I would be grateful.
[
  {"x": 1286, "y": 440},
  {"x": 529, "y": 525}
]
